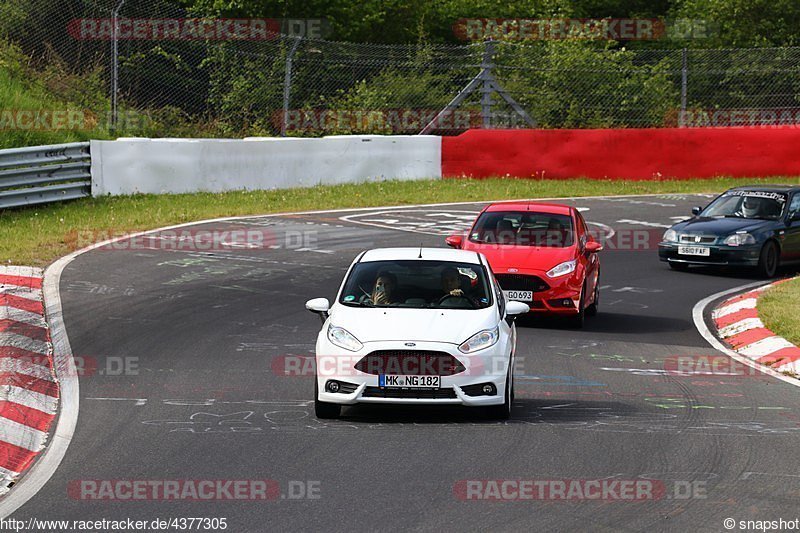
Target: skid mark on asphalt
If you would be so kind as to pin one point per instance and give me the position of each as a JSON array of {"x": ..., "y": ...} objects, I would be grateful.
[
  {"x": 97, "y": 289},
  {"x": 205, "y": 266}
]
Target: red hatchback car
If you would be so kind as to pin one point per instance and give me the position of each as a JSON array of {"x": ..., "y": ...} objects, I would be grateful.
[{"x": 541, "y": 254}]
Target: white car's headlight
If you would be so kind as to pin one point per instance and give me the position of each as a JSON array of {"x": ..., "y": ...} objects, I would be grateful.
[
  {"x": 740, "y": 239},
  {"x": 670, "y": 236},
  {"x": 479, "y": 341},
  {"x": 343, "y": 339},
  {"x": 564, "y": 268}
]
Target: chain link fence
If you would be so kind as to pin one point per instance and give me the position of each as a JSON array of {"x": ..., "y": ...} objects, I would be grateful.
[{"x": 169, "y": 72}]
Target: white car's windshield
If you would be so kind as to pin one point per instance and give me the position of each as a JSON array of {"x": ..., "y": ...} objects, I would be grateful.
[
  {"x": 525, "y": 228},
  {"x": 417, "y": 284},
  {"x": 762, "y": 205}
]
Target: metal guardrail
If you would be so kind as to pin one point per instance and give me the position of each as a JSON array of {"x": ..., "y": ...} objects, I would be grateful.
[{"x": 41, "y": 174}]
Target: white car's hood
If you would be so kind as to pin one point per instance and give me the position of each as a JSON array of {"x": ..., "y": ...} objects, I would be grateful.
[{"x": 424, "y": 325}]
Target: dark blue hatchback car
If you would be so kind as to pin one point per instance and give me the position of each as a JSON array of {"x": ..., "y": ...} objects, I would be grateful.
[{"x": 757, "y": 227}]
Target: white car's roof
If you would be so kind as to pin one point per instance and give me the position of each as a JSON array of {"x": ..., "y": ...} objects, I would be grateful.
[{"x": 428, "y": 254}]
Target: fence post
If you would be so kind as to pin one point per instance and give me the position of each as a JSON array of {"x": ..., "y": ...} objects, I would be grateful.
[
  {"x": 287, "y": 85},
  {"x": 487, "y": 64},
  {"x": 684, "y": 86},
  {"x": 115, "y": 64}
]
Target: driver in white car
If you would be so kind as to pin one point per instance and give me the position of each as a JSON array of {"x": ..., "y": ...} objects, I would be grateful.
[
  {"x": 384, "y": 291},
  {"x": 451, "y": 282}
]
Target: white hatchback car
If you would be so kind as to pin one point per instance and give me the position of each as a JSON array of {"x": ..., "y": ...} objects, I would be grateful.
[{"x": 416, "y": 326}]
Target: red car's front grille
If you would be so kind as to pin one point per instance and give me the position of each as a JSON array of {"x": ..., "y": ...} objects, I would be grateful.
[
  {"x": 410, "y": 363},
  {"x": 521, "y": 282}
]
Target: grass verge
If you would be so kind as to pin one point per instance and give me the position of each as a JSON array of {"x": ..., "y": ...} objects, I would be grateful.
[
  {"x": 38, "y": 235},
  {"x": 779, "y": 309}
]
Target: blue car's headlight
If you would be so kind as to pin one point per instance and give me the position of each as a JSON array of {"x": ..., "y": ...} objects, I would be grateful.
[
  {"x": 343, "y": 339},
  {"x": 740, "y": 239},
  {"x": 670, "y": 236}
]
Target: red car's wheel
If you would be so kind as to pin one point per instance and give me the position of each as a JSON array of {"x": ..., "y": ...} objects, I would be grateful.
[
  {"x": 578, "y": 320},
  {"x": 592, "y": 309}
]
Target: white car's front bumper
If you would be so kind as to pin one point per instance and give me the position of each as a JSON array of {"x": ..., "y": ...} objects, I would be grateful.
[{"x": 488, "y": 366}]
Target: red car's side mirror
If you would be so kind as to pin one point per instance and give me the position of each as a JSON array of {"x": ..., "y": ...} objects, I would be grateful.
[
  {"x": 454, "y": 241},
  {"x": 593, "y": 247}
]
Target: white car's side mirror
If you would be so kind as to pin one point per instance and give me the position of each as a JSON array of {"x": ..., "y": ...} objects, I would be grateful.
[
  {"x": 318, "y": 305},
  {"x": 514, "y": 308}
]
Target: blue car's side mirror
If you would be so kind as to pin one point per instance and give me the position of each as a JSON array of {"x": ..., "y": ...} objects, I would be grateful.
[{"x": 696, "y": 210}]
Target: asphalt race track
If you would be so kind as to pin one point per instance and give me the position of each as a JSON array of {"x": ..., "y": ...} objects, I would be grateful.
[{"x": 184, "y": 352}]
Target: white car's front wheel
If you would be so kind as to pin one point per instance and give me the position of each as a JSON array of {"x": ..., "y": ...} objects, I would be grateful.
[{"x": 503, "y": 411}]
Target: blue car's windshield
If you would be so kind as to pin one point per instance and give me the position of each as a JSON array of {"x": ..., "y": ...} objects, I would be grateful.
[
  {"x": 417, "y": 284},
  {"x": 761, "y": 205}
]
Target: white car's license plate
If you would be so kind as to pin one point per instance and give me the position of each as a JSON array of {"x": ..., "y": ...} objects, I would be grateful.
[
  {"x": 694, "y": 250},
  {"x": 409, "y": 382},
  {"x": 519, "y": 295}
]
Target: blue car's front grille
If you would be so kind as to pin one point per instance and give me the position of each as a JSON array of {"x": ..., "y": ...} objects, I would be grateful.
[{"x": 698, "y": 239}]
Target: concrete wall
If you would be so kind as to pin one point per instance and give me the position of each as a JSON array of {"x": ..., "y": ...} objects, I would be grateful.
[{"x": 128, "y": 166}]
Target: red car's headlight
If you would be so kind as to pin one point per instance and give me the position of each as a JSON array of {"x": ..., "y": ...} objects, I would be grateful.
[{"x": 563, "y": 269}]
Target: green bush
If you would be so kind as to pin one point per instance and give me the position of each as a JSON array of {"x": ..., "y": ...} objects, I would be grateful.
[{"x": 576, "y": 84}]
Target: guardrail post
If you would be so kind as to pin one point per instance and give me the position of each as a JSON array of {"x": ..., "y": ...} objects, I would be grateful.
[
  {"x": 487, "y": 64},
  {"x": 287, "y": 85},
  {"x": 115, "y": 64},
  {"x": 684, "y": 86}
]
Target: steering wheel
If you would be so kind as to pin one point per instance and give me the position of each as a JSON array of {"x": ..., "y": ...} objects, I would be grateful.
[{"x": 462, "y": 297}]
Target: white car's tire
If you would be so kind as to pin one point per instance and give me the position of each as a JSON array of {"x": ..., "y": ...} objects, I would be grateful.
[{"x": 503, "y": 411}]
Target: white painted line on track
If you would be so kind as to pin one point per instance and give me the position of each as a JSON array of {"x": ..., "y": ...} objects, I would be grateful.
[
  {"x": 21, "y": 435},
  {"x": 24, "y": 343},
  {"x": 29, "y": 398},
  {"x": 21, "y": 366},
  {"x": 747, "y": 303},
  {"x": 740, "y": 326},
  {"x": 764, "y": 347},
  {"x": 22, "y": 292},
  {"x": 20, "y": 315},
  {"x": 643, "y": 223}
]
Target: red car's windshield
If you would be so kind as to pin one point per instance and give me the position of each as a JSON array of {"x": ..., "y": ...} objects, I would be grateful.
[{"x": 526, "y": 228}]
